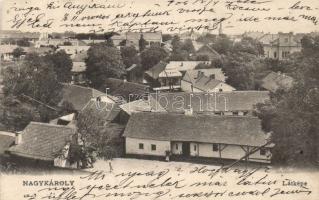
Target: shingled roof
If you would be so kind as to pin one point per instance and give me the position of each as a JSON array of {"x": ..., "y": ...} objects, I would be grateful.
[
  {"x": 207, "y": 129},
  {"x": 274, "y": 81},
  {"x": 208, "y": 102},
  {"x": 128, "y": 91},
  {"x": 42, "y": 141},
  {"x": 79, "y": 96}
]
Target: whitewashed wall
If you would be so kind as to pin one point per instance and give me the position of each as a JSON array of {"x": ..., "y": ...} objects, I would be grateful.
[{"x": 132, "y": 147}]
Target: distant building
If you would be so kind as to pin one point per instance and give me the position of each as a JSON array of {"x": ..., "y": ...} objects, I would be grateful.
[
  {"x": 222, "y": 137},
  {"x": 79, "y": 68},
  {"x": 169, "y": 79},
  {"x": 46, "y": 143},
  {"x": 206, "y": 80},
  {"x": 208, "y": 51},
  {"x": 17, "y": 35},
  {"x": 124, "y": 90},
  {"x": 183, "y": 66},
  {"x": 72, "y": 51},
  {"x": 133, "y": 38},
  {"x": 274, "y": 81},
  {"x": 216, "y": 103},
  {"x": 280, "y": 46}
]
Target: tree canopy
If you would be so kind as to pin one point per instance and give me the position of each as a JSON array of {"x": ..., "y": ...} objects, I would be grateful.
[
  {"x": 152, "y": 56},
  {"x": 103, "y": 62},
  {"x": 293, "y": 115}
]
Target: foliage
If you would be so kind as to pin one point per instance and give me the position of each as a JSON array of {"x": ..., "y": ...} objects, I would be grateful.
[
  {"x": 62, "y": 65},
  {"x": 95, "y": 133},
  {"x": 17, "y": 52},
  {"x": 207, "y": 38},
  {"x": 142, "y": 43},
  {"x": 24, "y": 42},
  {"x": 103, "y": 62},
  {"x": 152, "y": 56},
  {"x": 223, "y": 44},
  {"x": 188, "y": 46},
  {"x": 109, "y": 42},
  {"x": 293, "y": 115},
  {"x": 181, "y": 50},
  {"x": 202, "y": 58},
  {"x": 122, "y": 43},
  {"x": 129, "y": 55},
  {"x": 249, "y": 45},
  {"x": 166, "y": 37},
  {"x": 33, "y": 83}
]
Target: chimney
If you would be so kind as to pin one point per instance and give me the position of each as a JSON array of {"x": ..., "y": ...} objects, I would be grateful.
[{"x": 18, "y": 138}]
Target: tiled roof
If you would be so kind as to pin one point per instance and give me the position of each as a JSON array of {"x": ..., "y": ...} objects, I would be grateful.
[
  {"x": 208, "y": 102},
  {"x": 274, "y": 81},
  {"x": 202, "y": 128},
  {"x": 6, "y": 140},
  {"x": 128, "y": 91},
  {"x": 104, "y": 110},
  {"x": 42, "y": 141},
  {"x": 170, "y": 73},
  {"x": 156, "y": 70},
  {"x": 79, "y": 96},
  {"x": 206, "y": 83},
  {"x": 192, "y": 75},
  {"x": 136, "y": 106}
]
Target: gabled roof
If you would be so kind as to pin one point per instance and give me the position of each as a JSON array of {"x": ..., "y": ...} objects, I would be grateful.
[
  {"x": 104, "y": 110},
  {"x": 208, "y": 48},
  {"x": 42, "y": 141},
  {"x": 202, "y": 128},
  {"x": 6, "y": 140},
  {"x": 206, "y": 83},
  {"x": 170, "y": 73},
  {"x": 79, "y": 96},
  {"x": 156, "y": 70},
  {"x": 192, "y": 75},
  {"x": 274, "y": 81},
  {"x": 208, "y": 102},
  {"x": 140, "y": 105},
  {"x": 128, "y": 91}
]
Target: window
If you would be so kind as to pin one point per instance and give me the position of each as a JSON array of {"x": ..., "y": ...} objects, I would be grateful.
[
  {"x": 262, "y": 152},
  {"x": 286, "y": 40},
  {"x": 215, "y": 147},
  {"x": 153, "y": 147},
  {"x": 176, "y": 146},
  {"x": 275, "y": 54},
  {"x": 141, "y": 146},
  {"x": 195, "y": 147}
]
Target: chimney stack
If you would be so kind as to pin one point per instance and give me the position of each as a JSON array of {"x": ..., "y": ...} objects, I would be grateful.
[{"x": 18, "y": 138}]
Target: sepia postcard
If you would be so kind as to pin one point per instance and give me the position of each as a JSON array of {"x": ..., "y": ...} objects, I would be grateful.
[{"x": 159, "y": 99}]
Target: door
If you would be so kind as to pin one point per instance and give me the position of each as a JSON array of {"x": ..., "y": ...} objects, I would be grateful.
[{"x": 186, "y": 148}]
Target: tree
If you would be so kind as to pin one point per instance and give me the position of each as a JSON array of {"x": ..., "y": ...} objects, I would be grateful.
[
  {"x": 152, "y": 56},
  {"x": 188, "y": 46},
  {"x": 24, "y": 42},
  {"x": 142, "y": 43},
  {"x": 62, "y": 65},
  {"x": 166, "y": 37},
  {"x": 129, "y": 55},
  {"x": 33, "y": 84},
  {"x": 202, "y": 58},
  {"x": 122, "y": 43},
  {"x": 249, "y": 45},
  {"x": 17, "y": 52},
  {"x": 178, "y": 53},
  {"x": 95, "y": 133},
  {"x": 109, "y": 42},
  {"x": 223, "y": 44},
  {"x": 103, "y": 62},
  {"x": 293, "y": 115}
]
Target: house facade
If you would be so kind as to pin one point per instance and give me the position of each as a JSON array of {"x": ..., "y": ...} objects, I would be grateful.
[
  {"x": 280, "y": 46},
  {"x": 153, "y": 134},
  {"x": 170, "y": 80}
]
